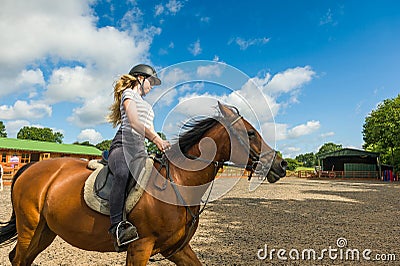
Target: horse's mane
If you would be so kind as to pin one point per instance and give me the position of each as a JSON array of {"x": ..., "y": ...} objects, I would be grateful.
[{"x": 194, "y": 130}]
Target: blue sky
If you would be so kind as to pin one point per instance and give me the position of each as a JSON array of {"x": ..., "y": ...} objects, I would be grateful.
[{"x": 320, "y": 66}]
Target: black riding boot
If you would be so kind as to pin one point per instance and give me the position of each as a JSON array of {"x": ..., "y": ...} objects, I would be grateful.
[{"x": 123, "y": 233}]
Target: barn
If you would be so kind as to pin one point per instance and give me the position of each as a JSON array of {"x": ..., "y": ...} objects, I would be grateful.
[{"x": 352, "y": 163}]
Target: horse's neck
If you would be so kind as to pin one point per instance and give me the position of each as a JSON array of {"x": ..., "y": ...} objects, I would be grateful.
[{"x": 211, "y": 150}]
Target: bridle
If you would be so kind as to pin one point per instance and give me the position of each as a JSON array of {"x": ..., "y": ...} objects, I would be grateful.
[{"x": 256, "y": 166}]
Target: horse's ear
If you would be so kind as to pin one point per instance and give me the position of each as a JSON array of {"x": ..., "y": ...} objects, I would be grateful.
[{"x": 225, "y": 111}]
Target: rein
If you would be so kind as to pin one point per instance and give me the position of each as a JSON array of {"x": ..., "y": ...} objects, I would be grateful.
[{"x": 164, "y": 162}]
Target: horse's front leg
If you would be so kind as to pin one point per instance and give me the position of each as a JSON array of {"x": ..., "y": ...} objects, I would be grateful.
[
  {"x": 139, "y": 252},
  {"x": 185, "y": 256}
]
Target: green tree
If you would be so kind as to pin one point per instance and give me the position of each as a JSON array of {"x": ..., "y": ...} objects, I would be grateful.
[
  {"x": 329, "y": 147},
  {"x": 381, "y": 130},
  {"x": 151, "y": 147},
  {"x": 292, "y": 164},
  {"x": 84, "y": 143},
  {"x": 3, "y": 133},
  {"x": 41, "y": 134},
  {"x": 308, "y": 159},
  {"x": 104, "y": 145}
]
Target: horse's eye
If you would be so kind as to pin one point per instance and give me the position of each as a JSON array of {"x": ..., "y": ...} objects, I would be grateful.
[{"x": 251, "y": 133}]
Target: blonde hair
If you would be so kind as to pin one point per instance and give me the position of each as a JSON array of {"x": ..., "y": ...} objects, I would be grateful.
[{"x": 125, "y": 81}]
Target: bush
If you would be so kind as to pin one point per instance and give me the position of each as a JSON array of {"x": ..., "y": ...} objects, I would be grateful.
[{"x": 292, "y": 164}]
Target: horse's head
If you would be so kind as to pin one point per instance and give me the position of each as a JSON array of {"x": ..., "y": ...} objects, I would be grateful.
[{"x": 246, "y": 142}]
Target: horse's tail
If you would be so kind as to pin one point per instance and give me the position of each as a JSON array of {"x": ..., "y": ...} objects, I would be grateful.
[{"x": 8, "y": 230}]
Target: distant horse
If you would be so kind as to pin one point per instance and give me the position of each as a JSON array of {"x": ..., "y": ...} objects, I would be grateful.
[{"x": 47, "y": 196}]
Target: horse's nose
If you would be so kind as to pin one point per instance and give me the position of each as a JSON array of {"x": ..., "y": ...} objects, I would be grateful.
[{"x": 284, "y": 164}]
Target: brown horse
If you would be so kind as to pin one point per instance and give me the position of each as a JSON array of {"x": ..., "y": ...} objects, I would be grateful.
[{"x": 47, "y": 197}]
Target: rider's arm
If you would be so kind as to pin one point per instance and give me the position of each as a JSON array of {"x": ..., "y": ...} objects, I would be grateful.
[{"x": 149, "y": 133}]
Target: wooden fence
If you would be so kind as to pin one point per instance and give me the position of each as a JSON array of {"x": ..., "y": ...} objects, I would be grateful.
[
  {"x": 229, "y": 171},
  {"x": 8, "y": 172},
  {"x": 338, "y": 174}
]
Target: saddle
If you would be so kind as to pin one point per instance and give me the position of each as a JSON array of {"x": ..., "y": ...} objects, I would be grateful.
[{"x": 98, "y": 186}]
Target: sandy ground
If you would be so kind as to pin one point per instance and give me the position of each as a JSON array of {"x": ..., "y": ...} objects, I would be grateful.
[{"x": 296, "y": 216}]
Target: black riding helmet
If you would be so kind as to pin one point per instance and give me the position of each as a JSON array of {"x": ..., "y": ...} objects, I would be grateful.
[{"x": 148, "y": 72}]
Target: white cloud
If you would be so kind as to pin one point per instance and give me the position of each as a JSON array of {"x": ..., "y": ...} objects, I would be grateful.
[
  {"x": 327, "y": 19},
  {"x": 195, "y": 48},
  {"x": 31, "y": 77},
  {"x": 25, "y": 110},
  {"x": 13, "y": 127},
  {"x": 273, "y": 132},
  {"x": 194, "y": 104},
  {"x": 164, "y": 51},
  {"x": 258, "y": 99},
  {"x": 174, "y": 6},
  {"x": 290, "y": 152},
  {"x": 93, "y": 112},
  {"x": 205, "y": 19},
  {"x": 304, "y": 129},
  {"x": 90, "y": 135},
  {"x": 210, "y": 70},
  {"x": 166, "y": 93},
  {"x": 289, "y": 80},
  {"x": 293, "y": 149},
  {"x": 71, "y": 84},
  {"x": 327, "y": 134},
  {"x": 170, "y": 8},
  {"x": 272, "y": 86},
  {"x": 63, "y": 39},
  {"x": 254, "y": 94},
  {"x": 173, "y": 76},
  {"x": 24, "y": 40},
  {"x": 70, "y": 35},
  {"x": 158, "y": 10},
  {"x": 28, "y": 82},
  {"x": 162, "y": 96},
  {"x": 244, "y": 44}
]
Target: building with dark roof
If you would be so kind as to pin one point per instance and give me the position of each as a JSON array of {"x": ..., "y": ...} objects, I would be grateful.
[{"x": 352, "y": 163}]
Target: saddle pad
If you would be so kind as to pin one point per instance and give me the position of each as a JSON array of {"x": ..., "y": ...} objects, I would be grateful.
[{"x": 101, "y": 205}]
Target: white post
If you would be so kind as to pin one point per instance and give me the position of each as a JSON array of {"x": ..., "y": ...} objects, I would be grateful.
[{"x": 1, "y": 178}]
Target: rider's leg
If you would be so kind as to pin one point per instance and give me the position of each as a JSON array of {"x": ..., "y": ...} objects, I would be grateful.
[
  {"x": 120, "y": 170},
  {"x": 124, "y": 231}
]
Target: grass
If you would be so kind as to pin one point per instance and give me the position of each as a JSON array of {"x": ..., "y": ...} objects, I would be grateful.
[{"x": 303, "y": 168}]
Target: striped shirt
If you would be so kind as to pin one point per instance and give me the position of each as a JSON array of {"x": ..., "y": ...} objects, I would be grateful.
[{"x": 144, "y": 110}]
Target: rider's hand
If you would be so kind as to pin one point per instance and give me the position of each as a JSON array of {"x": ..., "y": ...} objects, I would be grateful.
[{"x": 162, "y": 145}]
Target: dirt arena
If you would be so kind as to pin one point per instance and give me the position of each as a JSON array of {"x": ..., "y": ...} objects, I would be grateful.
[{"x": 292, "y": 219}]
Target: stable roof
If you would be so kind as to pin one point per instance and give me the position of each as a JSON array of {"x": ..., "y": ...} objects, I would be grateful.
[
  {"x": 43, "y": 146},
  {"x": 349, "y": 152}
]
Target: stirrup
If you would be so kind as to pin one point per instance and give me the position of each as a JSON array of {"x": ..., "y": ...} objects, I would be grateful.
[{"x": 125, "y": 233}]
